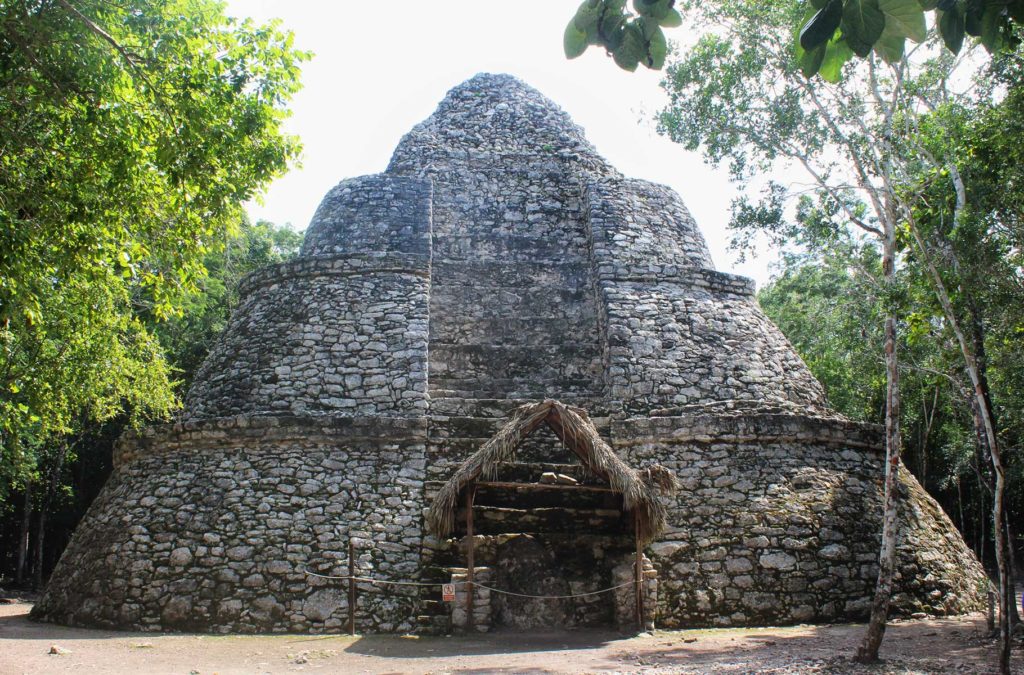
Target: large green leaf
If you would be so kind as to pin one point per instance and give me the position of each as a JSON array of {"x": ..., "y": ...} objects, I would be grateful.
[
  {"x": 657, "y": 50},
  {"x": 612, "y": 30},
  {"x": 656, "y": 9},
  {"x": 811, "y": 60},
  {"x": 672, "y": 20},
  {"x": 822, "y": 25},
  {"x": 951, "y": 26},
  {"x": 631, "y": 50},
  {"x": 862, "y": 25},
  {"x": 904, "y": 17},
  {"x": 574, "y": 41},
  {"x": 837, "y": 53},
  {"x": 648, "y": 27},
  {"x": 992, "y": 22},
  {"x": 587, "y": 16},
  {"x": 973, "y": 12},
  {"x": 890, "y": 45}
]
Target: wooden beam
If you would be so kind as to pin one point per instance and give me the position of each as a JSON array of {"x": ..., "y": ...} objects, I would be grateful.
[
  {"x": 543, "y": 486},
  {"x": 554, "y": 420},
  {"x": 639, "y": 572},
  {"x": 470, "y": 563}
]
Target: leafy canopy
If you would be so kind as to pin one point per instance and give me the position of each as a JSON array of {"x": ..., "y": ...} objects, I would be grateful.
[
  {"x": 130, "y": 134},
  {"x": 828, "y": 32},
  {"x": 832, "y": 30}
]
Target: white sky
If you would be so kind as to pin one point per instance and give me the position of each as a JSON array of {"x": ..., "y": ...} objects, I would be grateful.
[{"x": 381, "y": 67}]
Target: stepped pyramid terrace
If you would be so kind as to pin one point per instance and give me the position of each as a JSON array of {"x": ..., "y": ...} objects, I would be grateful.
[{"x": 500, "y": 361}]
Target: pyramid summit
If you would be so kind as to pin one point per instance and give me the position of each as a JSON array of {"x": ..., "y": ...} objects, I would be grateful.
[{"x": 433, "y": 316}]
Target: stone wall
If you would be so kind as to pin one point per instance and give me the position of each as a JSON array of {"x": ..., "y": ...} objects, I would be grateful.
[
  {"x": 778, "y": 521},
  {"x": 637, "y": 223},
  {"x": 212, "y": 526},
  {"x": 371, "y": 214},
  {"x": 342, "y": 329},
  {"x": 345, "y": 336},
  {"x": 670, "y": 344}
]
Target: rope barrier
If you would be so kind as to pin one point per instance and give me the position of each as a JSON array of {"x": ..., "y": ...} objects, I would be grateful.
[
  {"x": 375, "y": 581},
  {"x": 468, "y": 583}
]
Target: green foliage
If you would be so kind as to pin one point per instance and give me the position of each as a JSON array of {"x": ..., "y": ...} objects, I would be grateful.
[
  {"x": 979, "y": 243},
  {"x": 828, "y": 33},
  {"x": 130, "y": 134},
  {"x": 826, "y": 306},
  {"x": 185, "y": 338},
  {"x": 188, "y": 337},
  {"x": 830, "y": 309},
  {"x": 885, "y": 25},
  {"x": 630, "y": 36}
]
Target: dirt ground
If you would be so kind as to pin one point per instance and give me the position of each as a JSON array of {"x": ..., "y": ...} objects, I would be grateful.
[{"x": 927, "y": 646}]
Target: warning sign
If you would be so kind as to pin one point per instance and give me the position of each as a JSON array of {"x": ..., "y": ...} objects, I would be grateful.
[{"x": 448, "y": 592}]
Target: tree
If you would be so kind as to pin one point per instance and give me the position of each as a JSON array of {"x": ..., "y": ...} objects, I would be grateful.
[
  {"x": 967, "y": 241},
  {"x": 825, "y": 302},
  {"x": 738, "y": 94},
  {"x": 130, "y": 134},
  {"x": 72, "y": 473},
  {"x": 188, "y": 337}
]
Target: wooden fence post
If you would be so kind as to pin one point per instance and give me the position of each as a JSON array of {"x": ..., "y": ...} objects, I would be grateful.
[
  {"x": 470, "y": 562},
  {"x": 351, "y": 587}
]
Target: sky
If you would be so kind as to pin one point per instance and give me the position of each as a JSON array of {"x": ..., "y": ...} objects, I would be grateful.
[{"x": 379, "y": 68}]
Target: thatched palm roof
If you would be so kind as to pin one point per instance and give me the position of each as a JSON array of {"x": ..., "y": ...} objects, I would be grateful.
[{"x": 640, "y": 489}]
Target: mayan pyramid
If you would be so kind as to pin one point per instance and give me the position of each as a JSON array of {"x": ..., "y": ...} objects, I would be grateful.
[{"x": 498, "y": 262}]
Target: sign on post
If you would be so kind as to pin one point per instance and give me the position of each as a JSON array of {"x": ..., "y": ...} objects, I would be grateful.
[{"x": 448, "y": 592}]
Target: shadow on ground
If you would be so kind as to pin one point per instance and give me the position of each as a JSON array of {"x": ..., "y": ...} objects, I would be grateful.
[{"x": 498, "y": 642}]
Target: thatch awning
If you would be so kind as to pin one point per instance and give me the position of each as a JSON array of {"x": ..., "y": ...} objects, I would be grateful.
[{"x": 640, "y": 489}]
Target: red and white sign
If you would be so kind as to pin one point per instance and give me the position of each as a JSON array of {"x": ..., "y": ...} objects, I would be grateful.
[{"x": 448, "y": 592}]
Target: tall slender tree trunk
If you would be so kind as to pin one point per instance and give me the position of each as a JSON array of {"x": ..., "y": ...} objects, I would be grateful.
[
  {"x": 868, "y": 650},
  {"x": 44, "y": 509},
  {"x": 21, "y": 572},
  {"x": 37, "y": 566},
  {"x": 1011, "y": 583},
  {"x": 960, "y": 505}
]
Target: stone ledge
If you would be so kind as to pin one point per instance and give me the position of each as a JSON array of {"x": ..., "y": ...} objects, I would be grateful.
[
  {"x": 337, "y": 265},
  {"x": 251, "y": 430},
  {"x": 707, "y": 279},
  {"x": 749, "y": 427}
]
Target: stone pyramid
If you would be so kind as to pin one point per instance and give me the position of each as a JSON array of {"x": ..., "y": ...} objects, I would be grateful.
[{"x": 498, "y": 260}]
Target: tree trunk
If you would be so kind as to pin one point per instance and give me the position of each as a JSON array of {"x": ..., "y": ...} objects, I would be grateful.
[
  {"x": 1011, "y": 582},
  {"x": 44, "y": 509},
  {"x": 37, "y": 566},
  {"x": 868, "y": 650},
  {"x": 23, "y": 538}
]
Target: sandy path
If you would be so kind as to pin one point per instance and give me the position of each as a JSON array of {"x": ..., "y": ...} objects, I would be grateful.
[{"x": 941, "y": 645}]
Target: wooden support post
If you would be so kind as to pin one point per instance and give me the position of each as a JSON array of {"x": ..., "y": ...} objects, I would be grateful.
[
  {"x": 470, "y": 563},
  {"x": 351, "y": 587},
  {"x": 639, "y": 572}
]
